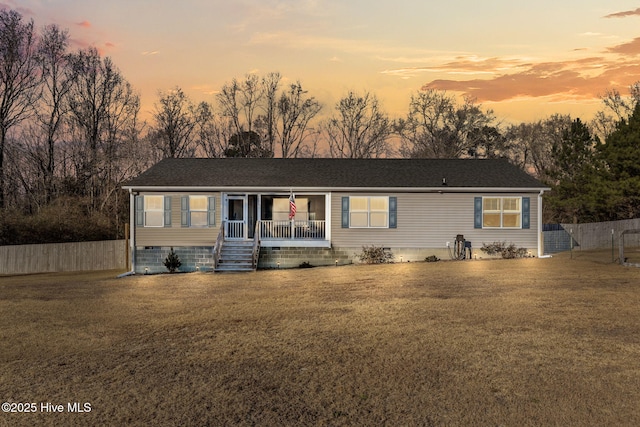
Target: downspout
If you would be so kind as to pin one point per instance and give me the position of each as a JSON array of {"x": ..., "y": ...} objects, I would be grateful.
[
  {"x": 540, "y": 242},
  {"x": 132, "y": 234}
]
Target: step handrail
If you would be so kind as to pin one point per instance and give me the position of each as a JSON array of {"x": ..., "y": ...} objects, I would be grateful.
[
  {"x": 256, "y": 246},
  {"x": 218, "y": 246}
]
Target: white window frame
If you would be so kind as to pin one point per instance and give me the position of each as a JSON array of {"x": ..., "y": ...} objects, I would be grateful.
[
  {"x": 204, "y": 211},
  {"x": 148, "y": 210},
  {"x": 501, "y": 211},
  {"x": 368, "y": 211}
]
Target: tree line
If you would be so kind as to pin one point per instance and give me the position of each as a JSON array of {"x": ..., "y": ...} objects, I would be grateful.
[{"x": 71, "y": 134}]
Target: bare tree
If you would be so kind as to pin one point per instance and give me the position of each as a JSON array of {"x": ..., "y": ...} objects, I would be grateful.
[
  {"x": 121, "y": 143},
  {"x": 360, "y": 129},
  {"x": 437, "y": 127},
  {"x": 213, "y": 132},
  {"x": 616, "y": 108},
  {"x": 104, "y": 107},
  {"x": 270, "y": 86},
  {"x": 258, "y": 118},
  {"x": 18, "y": 78},
  {"x": 51, "y": 106},
  {"x": 239, "y": 103},
  {"x": 532, "y": 144},
  {"x": 295, "y": 111},
  {"x": 176, "y": 121}
]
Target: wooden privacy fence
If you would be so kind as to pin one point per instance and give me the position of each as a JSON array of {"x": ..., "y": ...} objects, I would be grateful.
[
  {"x": 595, "y": 235},
  {"x": 58, "y": 257}
]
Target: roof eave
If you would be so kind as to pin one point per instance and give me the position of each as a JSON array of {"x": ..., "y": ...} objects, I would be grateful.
[{"x": 256, "y": 189}]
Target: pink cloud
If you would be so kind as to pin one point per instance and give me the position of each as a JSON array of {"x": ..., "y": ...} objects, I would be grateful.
[
  {"x": 13, "y": 5},
  {"x": 84, "y": 24},
  {"x": 78, "y": 43},
  {"x": 624, "y": 14}
]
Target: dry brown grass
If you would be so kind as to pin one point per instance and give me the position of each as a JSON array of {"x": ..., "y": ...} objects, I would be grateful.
[{"x": 519, "y": 342}]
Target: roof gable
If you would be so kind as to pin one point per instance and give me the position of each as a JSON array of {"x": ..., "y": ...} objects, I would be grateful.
[{"x": 334, "y": 173}]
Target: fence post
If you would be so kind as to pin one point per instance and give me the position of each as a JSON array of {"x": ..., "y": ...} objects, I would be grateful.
[
  {"x": 612, "y": 254},
  {"x": 571, "y": 243}
]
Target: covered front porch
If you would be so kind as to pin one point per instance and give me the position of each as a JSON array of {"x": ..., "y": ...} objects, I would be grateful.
[{"x": 265, "y": 217}]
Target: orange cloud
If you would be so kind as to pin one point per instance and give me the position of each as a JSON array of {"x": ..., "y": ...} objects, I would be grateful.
[
  {"x": 585, "y": 78},
  {"x": 624, "y": 14},
  {"x": 84, "y": 24},
  {"x": 631, "y": 48},
  {"x": 463, "y": 65},
  {"x": 466, "y": 63}
]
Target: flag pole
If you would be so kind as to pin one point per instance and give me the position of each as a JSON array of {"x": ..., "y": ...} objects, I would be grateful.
[{"x": 292, "y": 211}]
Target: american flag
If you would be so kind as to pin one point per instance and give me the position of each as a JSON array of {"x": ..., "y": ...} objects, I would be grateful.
[{"x": 292, "y": 206}]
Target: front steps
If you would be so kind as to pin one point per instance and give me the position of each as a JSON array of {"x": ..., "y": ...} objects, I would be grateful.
[{"x": 236, "y": 255}]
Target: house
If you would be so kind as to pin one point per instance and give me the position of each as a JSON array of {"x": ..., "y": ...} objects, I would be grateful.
[{"x": 234, "y": 213}]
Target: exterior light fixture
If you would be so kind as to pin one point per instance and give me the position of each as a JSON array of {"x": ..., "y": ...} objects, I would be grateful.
[
  {"x": 146, "y": 270},
  {"x": 336, "y": 262},
  {"x": 278, "y": 264}
]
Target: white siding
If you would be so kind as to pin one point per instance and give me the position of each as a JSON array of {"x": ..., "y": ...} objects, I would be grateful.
[{"x": 429, "y": 220}]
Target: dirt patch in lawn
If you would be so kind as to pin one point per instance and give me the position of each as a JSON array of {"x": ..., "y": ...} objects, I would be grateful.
[{"x": 509, "y": 342}]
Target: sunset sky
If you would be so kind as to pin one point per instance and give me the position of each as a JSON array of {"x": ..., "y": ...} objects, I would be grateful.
[{"x": 525, "y": 60}]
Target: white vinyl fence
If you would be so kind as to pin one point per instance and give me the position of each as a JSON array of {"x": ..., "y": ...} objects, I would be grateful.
[{"x": 59, "y": 257}]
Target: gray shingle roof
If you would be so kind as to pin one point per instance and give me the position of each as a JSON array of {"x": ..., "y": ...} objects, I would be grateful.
[{"x": 334, "y": 173}]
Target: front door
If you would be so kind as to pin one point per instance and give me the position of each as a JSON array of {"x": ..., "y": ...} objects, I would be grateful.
[{"x": 236, "y": 217}]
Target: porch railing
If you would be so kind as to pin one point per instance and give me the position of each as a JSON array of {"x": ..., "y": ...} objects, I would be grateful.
[
  {"x": 303, "y": 230},
  {"x": 235, "y": 229}
]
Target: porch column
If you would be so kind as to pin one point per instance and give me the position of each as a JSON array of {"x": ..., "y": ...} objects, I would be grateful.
[
  {"x": 259, "y": 215},
  {"x": 132, "y": 229},
  {"x": 540, "y": 241},
  {"x": 327, "y": 217}
]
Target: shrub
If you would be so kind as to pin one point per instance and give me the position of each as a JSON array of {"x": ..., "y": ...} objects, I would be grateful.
[
  {"x": 172, "y": 261},
  {"x": 506, "y": 252},
  {"x": 65, "y": 220},
  {"x": 432, "y": 258},
  {"x": 374, "y": 255},
  {"x": 305, "y": 264}
]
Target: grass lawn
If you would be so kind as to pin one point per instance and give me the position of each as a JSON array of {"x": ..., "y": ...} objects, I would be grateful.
[{"x": 504, "y": 342}]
